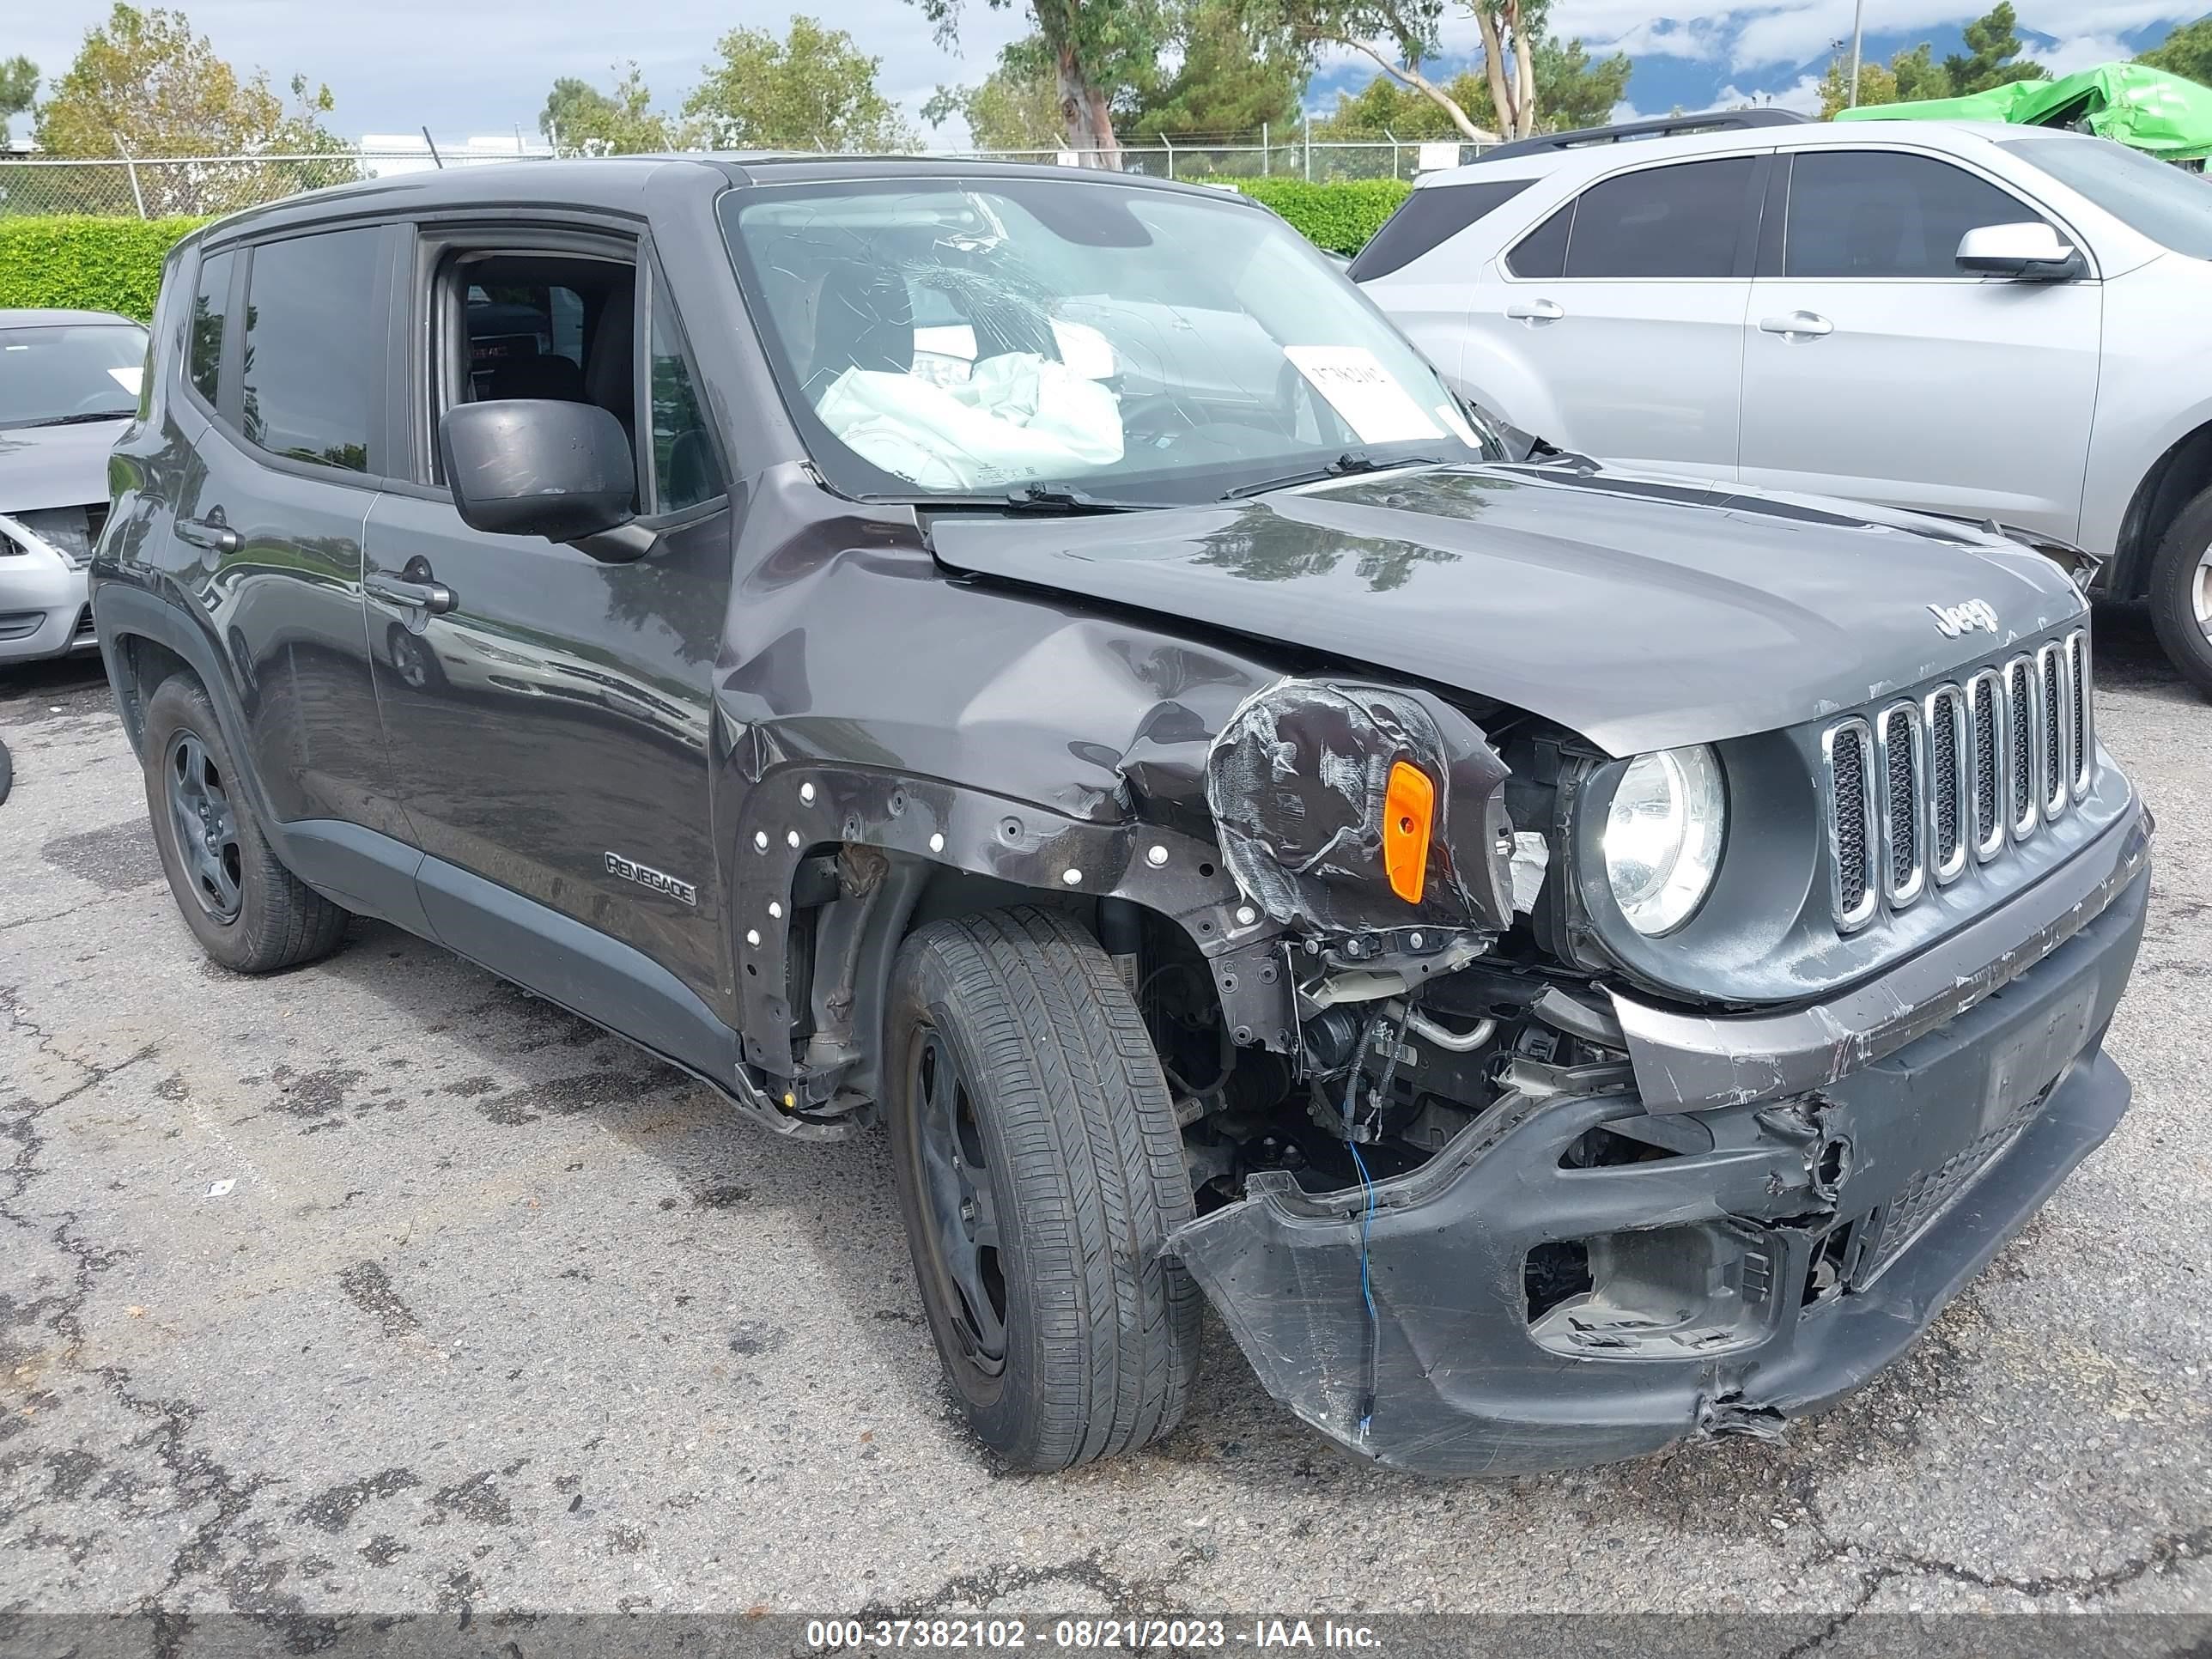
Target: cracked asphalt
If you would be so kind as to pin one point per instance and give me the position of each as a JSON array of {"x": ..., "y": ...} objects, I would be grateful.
[{"x": 381, "y": 1286}]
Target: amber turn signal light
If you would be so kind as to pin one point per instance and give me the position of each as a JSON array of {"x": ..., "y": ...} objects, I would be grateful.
[{"x": 1409, "y": 803}]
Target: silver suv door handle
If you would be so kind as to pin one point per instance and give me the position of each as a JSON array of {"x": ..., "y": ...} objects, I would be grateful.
[
  {"x": 1537, "y": 311},
  {"x": 1797, "y": 325}
]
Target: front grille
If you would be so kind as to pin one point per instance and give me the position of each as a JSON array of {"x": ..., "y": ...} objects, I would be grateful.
[
  {"x": 1904, "y": 806},
  {"x": 1970, "y": 767},
  {"x": 1850, "y": 747},
  {"x": 2019, "y": 695},
  {"x": 1948, "y": 781},
  {"x": 68, "y": 530},
  {"x": 1986, "y": 692},
  {"x": 2077, "y": 664}
]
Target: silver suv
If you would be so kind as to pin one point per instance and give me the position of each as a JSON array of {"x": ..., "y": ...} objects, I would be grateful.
[{"x": 1971, "y": 320}]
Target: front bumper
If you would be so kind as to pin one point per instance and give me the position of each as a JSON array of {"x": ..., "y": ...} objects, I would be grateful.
[
  {"x": 45, "y": 610},
  {"x": 1532, "y": 1316}
]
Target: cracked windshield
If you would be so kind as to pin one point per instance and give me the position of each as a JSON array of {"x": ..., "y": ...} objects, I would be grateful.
[{"x": 950, "y": 339}]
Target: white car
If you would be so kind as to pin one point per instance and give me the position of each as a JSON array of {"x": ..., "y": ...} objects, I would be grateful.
[
  {"x": 1967, "y": 319},
  {"x": 69, "y": 384}
]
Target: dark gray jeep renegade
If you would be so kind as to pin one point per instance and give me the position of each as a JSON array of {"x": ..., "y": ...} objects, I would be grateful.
[{"x": 1565, "y": 961}]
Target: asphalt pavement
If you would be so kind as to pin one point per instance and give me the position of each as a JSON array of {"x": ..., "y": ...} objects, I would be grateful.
[{"x": 383, "y": 1286}]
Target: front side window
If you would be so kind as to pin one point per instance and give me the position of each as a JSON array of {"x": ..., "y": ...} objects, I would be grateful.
[
  {"x": 1673, "y": 221},
  {"x": 312, "y": 349},
  {"x": 1883, "y": 213},
  {"x": 947, "y": 336},
  {"x": 61, "y": 374},
  {"x": 203, "y": 342},
  {"x": 684, "y": 470}
]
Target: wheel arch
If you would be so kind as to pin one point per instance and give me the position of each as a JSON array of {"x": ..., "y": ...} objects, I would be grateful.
[
  {"x": 909, "y": 850},
  {"x": 2175, "y": 479},
  {"x": 144, "y": 639}
]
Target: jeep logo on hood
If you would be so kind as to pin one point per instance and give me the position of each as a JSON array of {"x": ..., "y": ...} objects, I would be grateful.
[{"x": 1955, "y": 619}]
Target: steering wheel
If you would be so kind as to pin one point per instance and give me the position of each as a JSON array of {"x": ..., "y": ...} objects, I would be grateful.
[{"x": 100, "y": 401}]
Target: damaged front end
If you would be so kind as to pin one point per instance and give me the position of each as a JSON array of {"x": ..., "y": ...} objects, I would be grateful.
[{"x": 1506, "y": 1205}]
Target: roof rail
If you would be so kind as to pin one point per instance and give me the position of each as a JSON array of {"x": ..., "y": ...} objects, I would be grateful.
[{"x": 1664, "y": 126}]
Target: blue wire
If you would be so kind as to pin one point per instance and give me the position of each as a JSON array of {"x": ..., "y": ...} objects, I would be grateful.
[
  {"x": 1366, "y": 1221},
  {"x": 1366, "y": 1291}
]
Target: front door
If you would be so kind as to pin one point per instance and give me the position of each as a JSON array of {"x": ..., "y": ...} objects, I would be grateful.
[
  {"x": 1874, "y": 368},
  {"x": 549, "y": 713}
]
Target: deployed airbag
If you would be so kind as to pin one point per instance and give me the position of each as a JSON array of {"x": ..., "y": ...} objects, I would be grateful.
[{"x": 1018, "y": 416}]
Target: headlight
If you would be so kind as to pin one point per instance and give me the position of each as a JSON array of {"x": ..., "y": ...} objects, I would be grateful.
[{"x": 1662, "y": 837}]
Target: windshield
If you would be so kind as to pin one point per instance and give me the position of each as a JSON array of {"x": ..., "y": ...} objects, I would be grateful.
[
  {"x": 979, "y": 338},
  {"x": 2158, "y": 198},
  {"x": 70, "y": 372}
]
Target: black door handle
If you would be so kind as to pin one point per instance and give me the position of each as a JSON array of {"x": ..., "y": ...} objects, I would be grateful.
[
  {"x": 211, "y": 531},
  {"x": 414, "y": 587}
]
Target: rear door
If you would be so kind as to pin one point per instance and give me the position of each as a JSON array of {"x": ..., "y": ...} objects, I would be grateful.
[
  {"x": 550, "y": 713},
  {"x": 287, "y": 359},
  {"x": 1623, "y": 312},
  {"x": 1874, "y": 368}
]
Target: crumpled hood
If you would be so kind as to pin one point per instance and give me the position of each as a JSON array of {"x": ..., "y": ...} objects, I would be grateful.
[
  {"x": 1642, "y": 613},
  {"x": 55, "y": 466}
]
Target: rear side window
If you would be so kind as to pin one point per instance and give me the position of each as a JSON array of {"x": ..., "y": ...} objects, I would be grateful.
[
  {"x": 1428, "y": 218},
  {"x": 1543, "y": 250},
  {"x": 312, "y": 353},
  {"x": 204, "y": 348},
  {"x": 1663, "y": 221},
  {"x": 1880, "y": 213}
]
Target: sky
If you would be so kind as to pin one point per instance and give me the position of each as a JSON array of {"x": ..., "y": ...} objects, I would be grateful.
[{"x": 469, "y": 67}]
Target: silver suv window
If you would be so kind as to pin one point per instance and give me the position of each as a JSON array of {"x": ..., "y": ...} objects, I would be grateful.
[
  {"x": 2171, "y": 207},
  {"x": 1672, "y": 222},
  {"x": 1885, "y": 213}
]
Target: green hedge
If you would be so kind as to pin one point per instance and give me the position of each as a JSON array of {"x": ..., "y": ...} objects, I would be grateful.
[
  {"x": 97, "y": 264},
  {"x": 1340, "y": 217},
  {"x": 115, "y": 264}
]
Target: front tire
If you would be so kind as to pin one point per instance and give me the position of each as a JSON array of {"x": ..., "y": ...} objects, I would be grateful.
[
  {"x": 247, "y": 911},
  {"x": 1039, "y": 1167},
  {"x": 2181, "y": 593}
]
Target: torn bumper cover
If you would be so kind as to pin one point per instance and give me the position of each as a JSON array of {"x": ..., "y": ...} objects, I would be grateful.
[{"x": 1773, "y": 1257}]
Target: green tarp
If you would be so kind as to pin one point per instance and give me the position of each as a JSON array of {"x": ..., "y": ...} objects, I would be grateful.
[{"x": 2146, "y": 108}]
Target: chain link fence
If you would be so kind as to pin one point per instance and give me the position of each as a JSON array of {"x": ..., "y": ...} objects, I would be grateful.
[{"x": 200, "y": 186}]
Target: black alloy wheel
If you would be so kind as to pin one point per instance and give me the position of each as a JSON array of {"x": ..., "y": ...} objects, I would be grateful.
[
  {"x": 963, "y": 1234},
  {"x": 205, "y": 824}
]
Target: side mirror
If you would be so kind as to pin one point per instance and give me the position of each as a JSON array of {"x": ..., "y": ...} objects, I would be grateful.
[
  {"x": 527, "y": 466},
  {"x": 2032, "y": 250}
]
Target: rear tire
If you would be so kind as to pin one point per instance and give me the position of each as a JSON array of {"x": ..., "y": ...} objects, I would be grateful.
[
  {"x": 1039, "y": 1167},
  {"x": 247, "y": 911},
  {"x": 2181, "y": 593}
]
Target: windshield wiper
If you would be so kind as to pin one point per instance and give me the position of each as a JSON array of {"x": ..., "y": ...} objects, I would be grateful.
[
  {"x": 82, "y": 420},
  {"x": 1067, "y": 498},
  {"x": 1351, "y": 461}
]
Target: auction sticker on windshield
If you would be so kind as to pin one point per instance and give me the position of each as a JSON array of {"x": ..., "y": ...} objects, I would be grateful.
[{"x": 1367, "y": 395}]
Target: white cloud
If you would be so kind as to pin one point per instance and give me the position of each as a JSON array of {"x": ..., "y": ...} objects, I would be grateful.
[
  {"x": 2084, "y": 51},
  {"x": 1802, "y": 95},
  {"x": 1799, "y": 31},
  {"x": 494, "y": 59}
]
